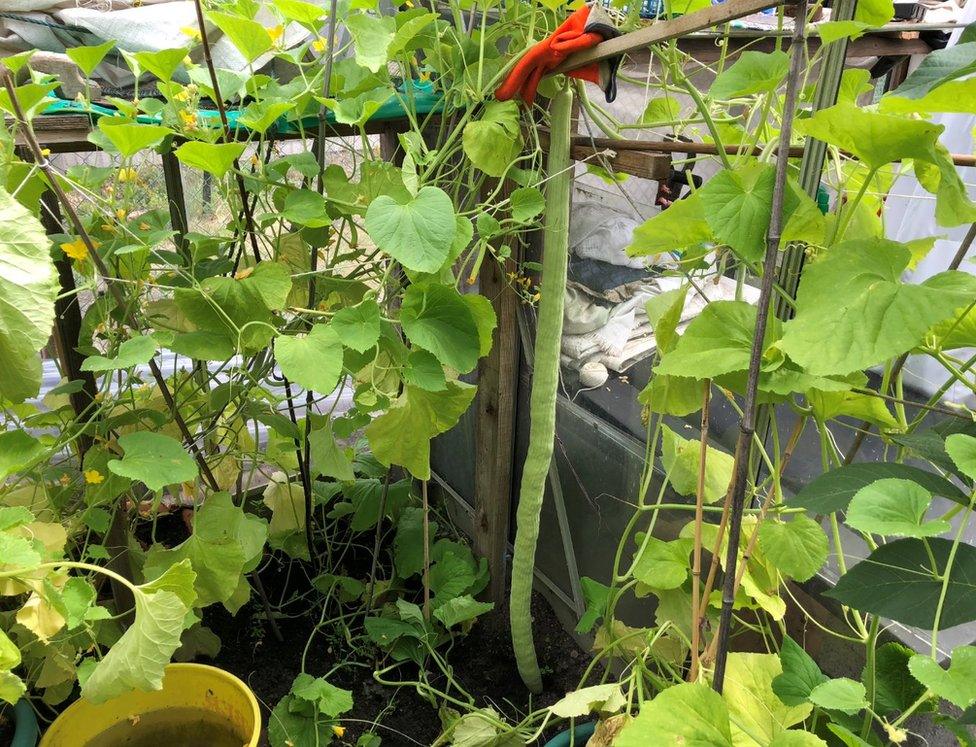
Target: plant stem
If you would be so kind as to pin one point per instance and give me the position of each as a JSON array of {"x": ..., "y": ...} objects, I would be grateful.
[
  {"x": 747, "y": 425},
  {"x": 696, "y": 601}
]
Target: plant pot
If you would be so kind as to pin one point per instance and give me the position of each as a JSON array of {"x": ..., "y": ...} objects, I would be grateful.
[
  {"x": 25, "y": 725},
  {"x": 198, "y": 705},
  {"x": 576, "y": 737}
]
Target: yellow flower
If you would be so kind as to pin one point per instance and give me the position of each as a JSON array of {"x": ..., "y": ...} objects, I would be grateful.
[
  {"x": 121, "y": 214},
  {"x": 319, "y": 45},
  {"x": 76, "y": 250},
  {"x": 144, "y": 226},
  {"x": 128, "y": 174},
  {"x": 189, "y": 119},
  {"x": 339, "y": 731},
  {"x": 276, "y": 32},
  {"x": 192, "y": 31},
  {"x": 94, "y": 477},
  {"x": 45, "y": 152}
]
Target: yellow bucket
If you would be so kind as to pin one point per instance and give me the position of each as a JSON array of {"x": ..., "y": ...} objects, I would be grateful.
[{"x": 212, "y": 705}]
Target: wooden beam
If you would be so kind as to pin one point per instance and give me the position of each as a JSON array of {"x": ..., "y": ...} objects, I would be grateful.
[
  {"x": 660, "y": 31},
  {"x": 495, "y": 424},
  {"x": 643, "y": 164}
]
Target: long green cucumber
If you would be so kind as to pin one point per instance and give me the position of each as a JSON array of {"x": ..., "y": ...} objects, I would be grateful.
[{"x": 545, "y": 381}]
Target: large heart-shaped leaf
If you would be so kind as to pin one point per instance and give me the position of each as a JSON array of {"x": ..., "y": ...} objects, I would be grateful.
[
  {"x": 897, "y": 581},
  {"x": 417, "y": 233},
  {"x": 737, "y": 206},
  {"x": 691, "y": 714},
  {"x": 853, "y": 310},
  {"x": 494, "y": 140},
  {"x": 957, "y": 684},
  {"x": 752, "y": 72},
  {"x": 154, "y": 459},
  {"x": 832, "y": 491},
  {"x": 28, "y": 287},
  {"x": 894, "y": 507},
  {"x": 313, "y": 360},
  {"x": 436, "y": 318},
  {"x": 371, "y": 36}
]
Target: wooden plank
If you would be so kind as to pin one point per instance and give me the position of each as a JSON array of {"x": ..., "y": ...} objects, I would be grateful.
[
  {"x": 660, "y": 31},
  {"x": 68, "y": 133},
  {"x": 704, "y": 49},
  {"x": 495, "y": 424},
  {"x": 646, "y": 165}
]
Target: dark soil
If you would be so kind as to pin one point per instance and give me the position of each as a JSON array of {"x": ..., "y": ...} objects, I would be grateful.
[{"x": 482, "y": 662}]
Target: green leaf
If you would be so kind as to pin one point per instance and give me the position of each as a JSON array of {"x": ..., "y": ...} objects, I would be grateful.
[
  {"x": 895, "y": 689},
  {"x": 306, "y": 207},
  {"x": 842, "y": 694},
  {"x": 313, "y": 360},
  {"x": 226, "y": 543},
  {"x": 954, "y": 96},
  {"x": 897, "y": 581},
  {"x": 752, "y": 72},
  {"x": 596, "y": 596},
  {"x": 260, "y": 115},
  {"x": 716, "y": 342},
  {"x": 876, "y": 139},
  {"x": 680, "y": 226},
  {"x": 300, "y": 11},
  {"x": 28, "y": 287},
  {"x": 417, "y": 233},
  {"x": 408, "y": 546},
  {"x": 691, "y": 714},
  {"x": 286, "y": 530},
  {"x": 957, "y": 684},
  {"x": 436, "y": 318},
  {"x": 402, "y": 434},
  {"x": 424, "y": 371},
  {"x": 153, "y": 459},
  {"x": 328, "y": 699},
  {"x": 493, "y": 141},
  {"x": 893, "y": 507},
  {"x": 250, "y": 37},
  {"x": 461, "y": 610},
  {"x": 796, "y": 738},
  {"x": 833, "y": 491},
  {"x": 755, "y": 711},
  {"x": 202, "y": 346},
  {"x": 18, "y": 551},
  {"x": 662, "y": 565},
  {"x": 12, "y": 688},
  {"x": 138, "y": 659},
  {"x": 935, "y": 69},
  {"x": 18, "y": 450},
  {"x": 961, "y": 448},
  {"x": 132, "y": 352},
  {"x": 484, "y": 318},
  {"x": 328, "y": 458},
  {"x": 372, "y": 37},
  {"x": 214, "y": 158},
  {"x": 681, "y": 459},
  {"x": 358, "y": 327},
  {"x": 289, "y": 726},
  {"x": 129, "y": 137},
  {"x": 162, "y": 63},
  {"x": 526, "y": 203},
  {"x": 800, "y": 674},
  {"x": 737, "y": 206},
  {"x": 662, "y": 109},
  {"x": 853, "y": 310},
  {"x": 88, "y": 58},
  {"x": 797, "y": 548},
  {"x": 606, "y": 698}
]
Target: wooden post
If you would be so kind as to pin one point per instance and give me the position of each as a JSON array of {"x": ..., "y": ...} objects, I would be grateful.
[
  {"x": 495, "y": 427},
  {"x": 67, "y": 328}
]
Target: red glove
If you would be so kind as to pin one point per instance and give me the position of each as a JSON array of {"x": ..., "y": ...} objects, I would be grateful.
[{"x": 580, "y": 31}]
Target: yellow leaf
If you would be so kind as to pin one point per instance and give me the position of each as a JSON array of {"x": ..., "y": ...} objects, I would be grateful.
[{"x": 39, "y": 617}]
